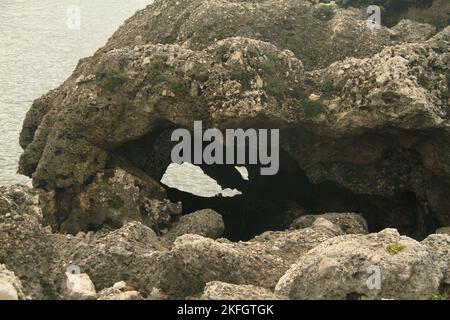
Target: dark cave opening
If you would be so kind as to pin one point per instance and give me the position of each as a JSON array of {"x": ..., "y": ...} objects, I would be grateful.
[{"x": 271, "y": 203}]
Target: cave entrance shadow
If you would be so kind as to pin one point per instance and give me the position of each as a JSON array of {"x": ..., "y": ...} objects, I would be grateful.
[{"x": 271, "y": 203}]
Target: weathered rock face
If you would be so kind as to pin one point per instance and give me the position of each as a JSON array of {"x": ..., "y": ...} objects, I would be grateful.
[
  {"x": 217, "y": 290},
  {"x": 347, "y": 266},
  {"x": 377, "y": 125},
  {"x": 412, "y": 31},
  {"x": 113, "y": 198},
  {"x": 364, "y": 127},
  {"x": 318, "y": 261},
  {"x": 206, "y": 223},
  {"x": 195, "y": 260},
  {"x": 25, "y": 248},
  {"x": 317, "y": 34},
  {"x": 350, "y": 223},
  {"x": 10, "y": 285},
  {"x": 159, "y": 96},
  {"x": 132, "y": 252},
  {"x": 439, "y": 247}
]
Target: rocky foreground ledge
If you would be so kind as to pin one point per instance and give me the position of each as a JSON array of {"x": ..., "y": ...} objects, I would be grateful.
[
  {"x": 364, "y": 126},
  {"x": 314, "y": 259}
]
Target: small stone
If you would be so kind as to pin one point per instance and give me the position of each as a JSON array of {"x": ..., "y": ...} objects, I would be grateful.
[
  {"x": 314, "y": 97},
  {"x": 78, "y": 287}
]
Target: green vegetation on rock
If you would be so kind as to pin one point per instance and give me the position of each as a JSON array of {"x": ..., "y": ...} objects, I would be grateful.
[
  {"x": 395, "y": 248},
  {"x": 110, "y": 79},
  {"x": 328, "y": 87},
  {"x": 177, "y": 86},
  {"x": 440, "y": 296},
  {"x": 313, "y": 108}
]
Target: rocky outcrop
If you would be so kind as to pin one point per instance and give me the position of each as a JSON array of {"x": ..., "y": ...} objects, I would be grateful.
[
  {"x": 364, "y": 126},
  {"x": 375, "y": 266},
  {"x": 358, "y": 107},
  {"x": 317, "y": 34},
  {"x": 114, "y": 198},
  {"x": 413, "y": 31},
  {"x": 318, "y": 261},
  {"x": 439, "y": 247}
]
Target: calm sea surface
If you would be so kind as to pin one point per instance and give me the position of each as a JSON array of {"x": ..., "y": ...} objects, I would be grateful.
[{"x": 40, "y": 45}]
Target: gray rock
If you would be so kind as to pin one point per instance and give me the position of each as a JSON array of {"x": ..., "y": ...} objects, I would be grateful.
[
  {"x": 217, "y": 290},
  {"x": 206, "y": 223},
  {"x": 331, "y": 33},
  {"x": 10, "y": 285},
  {"x": 114, "y": 198},
  {"x": 350, "y": 223},
  {"x": 78, "y": 287},
  {"x": 25, "y": 246},
  {"x": 439, "y": 248},
  {"x": 195, "y": 260},
  {"x": 412, "y": 31},
  {"x": 350, "y": 265},
  {"x": 367, "y": 130},
  {"x": 132, "y": 253}
]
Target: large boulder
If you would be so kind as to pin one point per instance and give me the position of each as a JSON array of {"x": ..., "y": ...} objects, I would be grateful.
[
  {"x": 206, "y": 223},
  {"x": 357, "y": 107},
  {"x": 169, "y": 84},
  {"x": 381, "y": 265},
  {"x": 439, "y": 247},
  {"x": 132, "y": 253},
  {"x": 195, "y": 260}
]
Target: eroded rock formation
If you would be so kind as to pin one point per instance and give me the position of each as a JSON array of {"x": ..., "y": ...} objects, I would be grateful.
[{"x": 363, "y": 115}]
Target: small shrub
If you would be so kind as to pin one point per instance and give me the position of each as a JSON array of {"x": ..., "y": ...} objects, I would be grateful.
[
  {"x": 110, "y": 79},
  {"x": 270, "y": 66},
  {"x": 327, "y": 87},
  {"x": 116, "y": 203},
  {"x": 177, "y": 86},
  {"x": 446, "y": 95},
  {"x": 242, "y": 76},
  {"x": 301, "y": 93},
  {"x": 440, "y": 296},
  {"x": 272, "y": 57},
  {"x": 312, "y": 108},
  {"x": 395, "y": 248}
]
